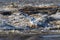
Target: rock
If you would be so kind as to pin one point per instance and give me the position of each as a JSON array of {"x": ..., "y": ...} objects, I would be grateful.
[
  {"x": 29, "y": 17},
  {"x": 5, "y": 13},
  {"x": 56, "y": 16},
  {"x": 34, "y": 10}
]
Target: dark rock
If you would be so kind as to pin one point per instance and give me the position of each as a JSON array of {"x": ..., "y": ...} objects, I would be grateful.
[
  {"x": 33, "y": 10},
  {"x": 5, "y": 13}
]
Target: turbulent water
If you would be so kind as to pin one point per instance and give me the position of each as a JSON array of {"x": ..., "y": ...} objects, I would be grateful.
[{"x": 36, "y": 37}]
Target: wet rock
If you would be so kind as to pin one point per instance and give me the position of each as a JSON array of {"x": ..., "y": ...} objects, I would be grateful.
[
  {"x": 34, "y": 10},
  {"x": 5, "y": 13}
]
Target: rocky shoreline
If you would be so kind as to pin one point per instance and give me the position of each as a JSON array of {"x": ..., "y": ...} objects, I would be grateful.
[{"x": 30, "y": 18}]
